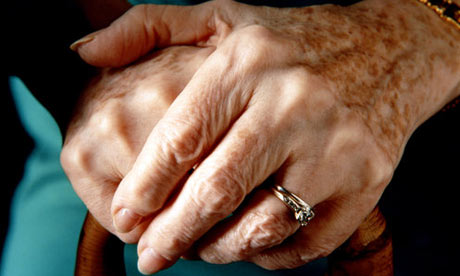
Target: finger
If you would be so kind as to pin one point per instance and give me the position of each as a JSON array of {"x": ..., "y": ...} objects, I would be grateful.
[
  {"x": 265, "y": 222},
  {"x": 214, "y": 98},
  {"x": 94, "y": 168},
  {"x": 95, "y": 183},
  {"x": 195, "y": 120},
  {"x": 244, "y": 159},
  {"x": 333, "y": 224},
  {"x": 145, "y": 27},
  {"x": 349, "y": 191}
]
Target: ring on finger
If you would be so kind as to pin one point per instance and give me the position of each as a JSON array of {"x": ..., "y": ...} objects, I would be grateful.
[{"x": 302, "y": 211}]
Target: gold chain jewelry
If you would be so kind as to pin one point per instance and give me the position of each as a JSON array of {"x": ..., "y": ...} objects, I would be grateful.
[{"x": 446, "y": 9}]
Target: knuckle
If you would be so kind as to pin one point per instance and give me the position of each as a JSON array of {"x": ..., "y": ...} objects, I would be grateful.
[
  {"x": 302, "y": 82},
  {"x": 378, "y": 170},
  {"x": 108, "y": 121},
  {"x": 375, "y": 166},
  {"x": 256, "y": 33},
  {"x": 183, "y": 143},
  {"x": 94, "y": 144},
  {"x": 253, "y": 45},
  {"x": 299, "y": 74},
  {"x": 75, "y": 157},
  {"x": 218, "y": 194},
  {"x": 261, "y": 232},
  {"x": 297, "y": 83},
  {"x": 66, "y": 157},
  {"x": 352, "y": 141},
  {"x": 308, "y": 96}
]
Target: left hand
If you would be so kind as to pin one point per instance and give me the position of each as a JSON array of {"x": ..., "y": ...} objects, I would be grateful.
[
  {"x": 114, "y": 117},
  {"x": 319, "y": 100}
]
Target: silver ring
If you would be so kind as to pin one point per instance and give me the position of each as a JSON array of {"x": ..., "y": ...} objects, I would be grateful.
[{"x": 302, "y": 211}]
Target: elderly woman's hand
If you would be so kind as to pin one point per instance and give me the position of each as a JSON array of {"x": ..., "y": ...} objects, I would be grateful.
[
  {"x": 318, "y": 100},
  {"x": 117, "y": 112}
]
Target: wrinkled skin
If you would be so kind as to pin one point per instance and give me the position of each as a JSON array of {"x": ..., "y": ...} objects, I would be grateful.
[
  {"x": 115, "y": 115},
  {"x": 319, "y": 100}
]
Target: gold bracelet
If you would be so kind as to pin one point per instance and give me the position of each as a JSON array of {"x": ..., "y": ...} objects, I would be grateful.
[{"x": 446, "y": 9}]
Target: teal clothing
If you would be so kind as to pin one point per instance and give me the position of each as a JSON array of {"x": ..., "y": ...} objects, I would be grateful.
[{"x": 47, "y": 216}]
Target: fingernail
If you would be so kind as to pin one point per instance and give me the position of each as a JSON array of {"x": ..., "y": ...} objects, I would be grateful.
[
  {"x": 81, "y": 41},
  {"x": 150, "y": 262},
  {"x": 125, "y": 220}
]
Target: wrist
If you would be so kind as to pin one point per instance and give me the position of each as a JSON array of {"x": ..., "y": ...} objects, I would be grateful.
[
  {"x": 444, "y": 82},
  {"x": 413, "y": 61},
  {"x": 435, "y": 42}
]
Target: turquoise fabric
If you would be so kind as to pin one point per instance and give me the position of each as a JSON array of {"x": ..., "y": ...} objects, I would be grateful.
[{"x": 46, "y": 215}]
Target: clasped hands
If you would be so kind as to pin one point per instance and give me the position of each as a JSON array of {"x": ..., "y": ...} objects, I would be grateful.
[{"x": 224, "y": 100}]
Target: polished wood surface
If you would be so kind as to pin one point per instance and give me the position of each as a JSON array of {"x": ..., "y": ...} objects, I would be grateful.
[{"x": 99, "y": 252}]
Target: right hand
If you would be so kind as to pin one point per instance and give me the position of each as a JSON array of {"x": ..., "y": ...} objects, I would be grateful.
[
  {"x": 115, "y": 115},
  {"x": 313, "y": 97}
]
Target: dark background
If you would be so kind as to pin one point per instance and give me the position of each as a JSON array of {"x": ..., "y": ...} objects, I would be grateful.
[{"x": 422, "y": 202}]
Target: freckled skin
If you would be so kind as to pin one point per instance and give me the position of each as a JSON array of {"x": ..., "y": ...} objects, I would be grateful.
[
  {"x": 320, "y": 100},
  {"x": 366, "y": 57}
]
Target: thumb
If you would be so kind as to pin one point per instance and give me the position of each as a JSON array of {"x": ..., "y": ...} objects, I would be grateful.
[{"x": 143, "y": 28}]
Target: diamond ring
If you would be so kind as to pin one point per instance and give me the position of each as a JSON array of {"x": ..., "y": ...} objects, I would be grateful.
[{"x": 302, "y": 211}]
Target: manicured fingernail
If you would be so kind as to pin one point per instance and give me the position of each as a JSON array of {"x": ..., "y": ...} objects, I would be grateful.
[
  {"x": 81, "y": 41},
  {"x": 125, "y": 220},
  {"x": 150, "y": 262}
]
